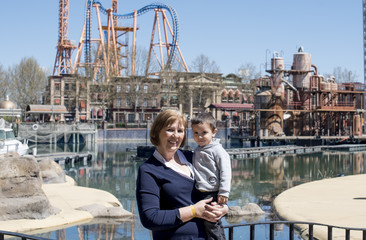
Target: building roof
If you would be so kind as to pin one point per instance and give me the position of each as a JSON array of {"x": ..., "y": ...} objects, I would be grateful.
[
  {"x": 232, "y": 106},
  {"x": 7, "y": 104},
  {"x": 46, "y": 109}
]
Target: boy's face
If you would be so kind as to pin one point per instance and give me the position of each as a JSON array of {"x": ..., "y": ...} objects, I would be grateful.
[{"x": 203, "y": 134}]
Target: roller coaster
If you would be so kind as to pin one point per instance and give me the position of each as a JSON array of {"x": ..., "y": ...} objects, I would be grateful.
[
  {"x": 131, "y": 15},
  {"x": 171, "y": 47}
]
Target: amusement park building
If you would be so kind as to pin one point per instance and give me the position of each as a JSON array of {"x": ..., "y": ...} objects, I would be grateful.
[{"x": 139, "y": 98}]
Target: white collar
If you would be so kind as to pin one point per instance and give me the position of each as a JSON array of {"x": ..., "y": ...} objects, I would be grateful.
[{"x": 182, "y": 159}]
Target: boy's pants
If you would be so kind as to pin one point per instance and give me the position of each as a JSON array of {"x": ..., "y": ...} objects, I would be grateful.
[{"x": 214, "y": 231}]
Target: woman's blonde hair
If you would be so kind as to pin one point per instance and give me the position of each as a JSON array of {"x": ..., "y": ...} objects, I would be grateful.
[{"x": 164, "y": 119}]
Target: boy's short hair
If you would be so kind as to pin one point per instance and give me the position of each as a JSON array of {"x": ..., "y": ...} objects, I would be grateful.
[
  {"x": 164, "y": 119},
  {"x": 205, "y": 117}
]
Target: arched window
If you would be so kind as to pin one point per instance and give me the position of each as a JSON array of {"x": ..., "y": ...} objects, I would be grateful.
[
  {"x": 100, "y": 113},
  {"x": 224, "y": 96}
]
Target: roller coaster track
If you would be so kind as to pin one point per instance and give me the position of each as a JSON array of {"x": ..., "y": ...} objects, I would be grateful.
[{"x": 141, "y": 11}]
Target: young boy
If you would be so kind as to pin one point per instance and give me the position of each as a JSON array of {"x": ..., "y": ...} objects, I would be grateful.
[{"x": 212, "y": 168}]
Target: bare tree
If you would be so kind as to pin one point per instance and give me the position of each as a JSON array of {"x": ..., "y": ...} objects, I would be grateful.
[
  {"x": 141, "y": 62},
  {"x": 343, "y": 75},
  {"x": 203, "y": 64},
  {"x": 4, "y": 82},
  {"x": 28, "y": 81},
  {"x": 248, "y": 72}
]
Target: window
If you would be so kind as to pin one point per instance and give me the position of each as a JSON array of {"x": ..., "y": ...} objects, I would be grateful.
[
  {"x": 128, "y": 88},
  {"x": 127, "y": 102},
  {"x": 146, "y": 88},
  {"x": 118, "y": 88},
  {"x": 2, "y": 135},
  {"x": 131, "y": 117},
  {"x": 66, "y": 86},
  {"x": 118, "y": 103},
  {"x": 57, "y": 86},
  {"x": 145, "y": 102},
  {"x": 10, "y": 135},
  {"x": 155, "y": 102}
]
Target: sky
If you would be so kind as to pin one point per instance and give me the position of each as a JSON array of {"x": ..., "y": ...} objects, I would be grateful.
[{"x": 232, "y": 33}]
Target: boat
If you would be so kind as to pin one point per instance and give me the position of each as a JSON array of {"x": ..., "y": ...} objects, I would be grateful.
[{"x": 8, "y": 141}]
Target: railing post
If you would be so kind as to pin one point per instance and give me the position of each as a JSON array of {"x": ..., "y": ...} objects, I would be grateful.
[
  {"x": 311, "y": 231},
  {"x": 347, "y": 234},
  {"x": 252, "y": 232},
  {"x": 231, "y": 233},
  {"x": 330, "y": 233},
  {"x": 271, "y": 231},
  {"x": 291, "y": 232}
]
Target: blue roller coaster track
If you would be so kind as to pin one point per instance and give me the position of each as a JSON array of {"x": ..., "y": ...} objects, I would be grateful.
[{"x": 141, "y": 11}]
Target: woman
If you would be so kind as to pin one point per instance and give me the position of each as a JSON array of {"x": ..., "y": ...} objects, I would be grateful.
[{"x": 165, "y": 193}]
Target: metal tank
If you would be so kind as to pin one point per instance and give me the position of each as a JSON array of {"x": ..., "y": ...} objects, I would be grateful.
[
  {"x": 271, "y": 121},
  {"x": 302, "y": 63},
  {"x": 277, "y": 66},
  {"x": 277, "y": 63}
]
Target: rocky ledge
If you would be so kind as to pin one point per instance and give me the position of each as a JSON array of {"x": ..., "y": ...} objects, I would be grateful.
[{"x": 38, "y": 195}]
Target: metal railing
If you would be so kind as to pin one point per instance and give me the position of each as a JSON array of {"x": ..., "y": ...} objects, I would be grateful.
[
  {"x": 291, "y": 225},
  {"x": 4, "y": 234}
]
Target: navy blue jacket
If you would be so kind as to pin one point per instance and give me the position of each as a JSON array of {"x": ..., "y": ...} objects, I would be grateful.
[{"x": 160, "y": 191}]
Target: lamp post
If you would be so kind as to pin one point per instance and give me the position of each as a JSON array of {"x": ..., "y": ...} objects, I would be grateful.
[
  {"x": 52, "y": 117},
  {"x": 76, "y": 115},
  {"x": 12, "y": 115},
  {"x": 91, "y": 115}
]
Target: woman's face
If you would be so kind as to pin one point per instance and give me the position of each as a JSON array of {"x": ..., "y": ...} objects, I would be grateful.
[{"x": 171, "y": 137}]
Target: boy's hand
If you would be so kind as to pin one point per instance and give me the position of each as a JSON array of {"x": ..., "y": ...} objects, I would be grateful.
[{"x": 221, "y": 199}]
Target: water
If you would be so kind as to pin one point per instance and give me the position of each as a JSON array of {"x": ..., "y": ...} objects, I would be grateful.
[{"x": 256, "y": 180}]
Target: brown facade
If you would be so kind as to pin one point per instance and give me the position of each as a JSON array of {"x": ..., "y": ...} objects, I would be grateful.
[{"x": 139, "y": 99}]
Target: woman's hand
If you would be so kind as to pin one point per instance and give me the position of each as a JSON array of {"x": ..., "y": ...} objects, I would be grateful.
[
  {"x": 210, "y": 212},
  {"x": 215, "y": 211},
  {"x": 200, "y": 207}
]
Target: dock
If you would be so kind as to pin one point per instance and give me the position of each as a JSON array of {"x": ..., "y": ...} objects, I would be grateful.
[
  {"x": 64, "y": 158},
  {"x": 270, "y": 151},
  {"x": 241, "y": 153}
]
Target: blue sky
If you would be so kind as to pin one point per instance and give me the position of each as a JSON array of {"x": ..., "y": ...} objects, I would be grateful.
[{"x": 231, "y": 33}]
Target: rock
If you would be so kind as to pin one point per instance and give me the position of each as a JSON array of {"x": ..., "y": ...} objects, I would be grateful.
[
  {"x": 51, "y": 172},
  {"x": 101, "y": 211},
  {"x": 250, "y": 213},
  {"x": 252, "y": 209},
  {"x": 21, "y": 195}
]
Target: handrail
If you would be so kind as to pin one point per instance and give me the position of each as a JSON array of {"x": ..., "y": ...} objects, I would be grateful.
[
  {"x": 4, "y": 234},
  {"x": 292, "y": 227}
]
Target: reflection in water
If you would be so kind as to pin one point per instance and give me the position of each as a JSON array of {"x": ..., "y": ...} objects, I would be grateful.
[{"x": 256, "y": 180}]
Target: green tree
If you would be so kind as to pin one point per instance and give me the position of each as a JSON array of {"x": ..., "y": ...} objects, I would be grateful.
[{"x": 28, "y": 81}]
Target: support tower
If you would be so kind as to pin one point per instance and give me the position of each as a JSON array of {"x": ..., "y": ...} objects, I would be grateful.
[{"x": 63, "y": 63}]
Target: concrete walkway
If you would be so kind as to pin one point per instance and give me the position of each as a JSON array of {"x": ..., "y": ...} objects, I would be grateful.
[
  {"x": 338, "y": 201},
  {"x": 68, "y": 198}
]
